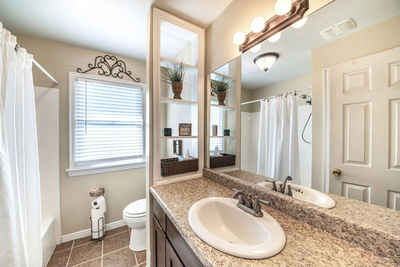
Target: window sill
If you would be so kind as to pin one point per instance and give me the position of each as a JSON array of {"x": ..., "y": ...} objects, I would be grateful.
[{"x": 101, "y": 168}]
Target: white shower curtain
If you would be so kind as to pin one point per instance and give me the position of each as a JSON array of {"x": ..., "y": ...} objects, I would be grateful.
[
  {"x": 278, "y": 151},
  {"x": 20, "y": 217}
]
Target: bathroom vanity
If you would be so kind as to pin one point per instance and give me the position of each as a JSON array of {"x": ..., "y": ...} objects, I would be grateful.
[{"x": 306, "y": 244}]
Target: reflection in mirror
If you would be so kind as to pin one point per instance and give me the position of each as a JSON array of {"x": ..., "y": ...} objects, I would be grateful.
[
  {"x": 223, "y": 118},
  {"x": 321, "y": 105}
]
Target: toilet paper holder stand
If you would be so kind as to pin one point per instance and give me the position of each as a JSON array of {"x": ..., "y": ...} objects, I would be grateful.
[{"x": 101, "y": 232}]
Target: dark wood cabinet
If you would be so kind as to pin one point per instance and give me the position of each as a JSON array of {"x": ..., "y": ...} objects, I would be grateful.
[
  {"x": 169, "y": 249},
  {"x": 158, "y": 245},
  {"x": 172, "y": 260}
]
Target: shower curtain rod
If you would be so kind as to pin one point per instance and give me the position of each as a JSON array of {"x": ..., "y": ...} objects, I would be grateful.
[
  {"x": 270, "y": 97},
  {"x": 40, "y": 67}
]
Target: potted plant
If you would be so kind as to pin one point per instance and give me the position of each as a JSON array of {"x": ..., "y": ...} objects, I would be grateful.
[
  {"x": 174, "y": 74},
  {"x": 219, "y": 88}
]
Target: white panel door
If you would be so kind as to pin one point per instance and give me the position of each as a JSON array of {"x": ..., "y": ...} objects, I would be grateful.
[{"x": 365, "y": 128}]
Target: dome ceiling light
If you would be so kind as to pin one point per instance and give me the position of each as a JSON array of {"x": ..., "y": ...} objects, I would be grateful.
[
  {"x": 266, "y": 60},
  {"x": 288, "y": 13}
]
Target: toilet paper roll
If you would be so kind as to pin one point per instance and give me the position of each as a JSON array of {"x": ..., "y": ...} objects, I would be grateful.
[
  {"x": 98, "y": 222},
  {"x": 100, "y": 204}
]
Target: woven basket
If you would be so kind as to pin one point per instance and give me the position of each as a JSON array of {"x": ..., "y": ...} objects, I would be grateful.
[
  {"x": 174, "y": 166},
  {"x": 222, "y": 161}
]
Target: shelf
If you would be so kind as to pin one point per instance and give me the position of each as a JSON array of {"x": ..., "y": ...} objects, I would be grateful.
[
  {"x": 222, "y": 137},
  {"x": 178, "y": 62},
  {"x": 177, "y": 137},
  {"x": 177, "y": 101},
  {"x": 222, "y": 75},
  {"x": 223, "y": 107}
]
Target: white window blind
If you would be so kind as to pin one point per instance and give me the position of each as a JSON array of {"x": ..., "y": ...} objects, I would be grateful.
[
  {"x": 108, "y": 122},
  {"x": 217, "y": 118}
]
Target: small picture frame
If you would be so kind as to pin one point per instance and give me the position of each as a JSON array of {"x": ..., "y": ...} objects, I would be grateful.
[
  {"x": 177, "y": 147},
  {"x": 185, "y": 129}
]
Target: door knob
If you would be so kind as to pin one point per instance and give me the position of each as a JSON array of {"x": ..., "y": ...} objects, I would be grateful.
[{"x": 336, "y": 172}]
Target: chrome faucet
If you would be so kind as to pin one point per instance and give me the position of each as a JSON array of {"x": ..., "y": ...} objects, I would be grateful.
[
  {"x": 243, "y": 200},
  {"x": 282, "y": 188},
  {"x": 246, "y": 203}
]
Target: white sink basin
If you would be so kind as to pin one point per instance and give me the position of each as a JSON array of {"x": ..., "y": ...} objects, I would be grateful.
[
  {"x": 222, "y": 225},
  {"x": 307, "y": 194}
]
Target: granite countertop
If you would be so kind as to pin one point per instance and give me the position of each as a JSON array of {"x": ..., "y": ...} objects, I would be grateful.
[
  {"x": 368, "y": 215},
  {"x": 306, "y": 245}
]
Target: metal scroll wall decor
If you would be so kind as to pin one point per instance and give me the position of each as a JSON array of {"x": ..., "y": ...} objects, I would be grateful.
[
  {"x": 109, "y": 66},
  {"x": 275, "y": 24}
]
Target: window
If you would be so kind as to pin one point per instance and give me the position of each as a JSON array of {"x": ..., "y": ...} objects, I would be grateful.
[
  {"x": 106, "y": 124},
  {"x": 217, "y": 118}
]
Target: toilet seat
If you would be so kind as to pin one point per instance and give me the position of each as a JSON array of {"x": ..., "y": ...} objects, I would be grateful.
[{"x": 136, "y": 209}]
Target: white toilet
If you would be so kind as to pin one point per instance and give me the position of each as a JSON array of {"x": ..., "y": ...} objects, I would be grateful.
[{"x": 134, "y": 216}]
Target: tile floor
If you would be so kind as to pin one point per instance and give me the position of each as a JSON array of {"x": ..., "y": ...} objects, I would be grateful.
[{"x": 112, "y": 251}]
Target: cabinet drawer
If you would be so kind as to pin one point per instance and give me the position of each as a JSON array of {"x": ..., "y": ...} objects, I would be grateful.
[{"x": 183, "y": 250}]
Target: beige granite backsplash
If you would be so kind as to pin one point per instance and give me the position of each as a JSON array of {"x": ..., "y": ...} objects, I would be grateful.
[
  {"x": 374, "y": 228},
  {"x": 306, "y": 245}
]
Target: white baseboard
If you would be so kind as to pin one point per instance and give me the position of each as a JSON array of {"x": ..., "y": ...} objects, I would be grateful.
[{"x": 86, "y": 232}]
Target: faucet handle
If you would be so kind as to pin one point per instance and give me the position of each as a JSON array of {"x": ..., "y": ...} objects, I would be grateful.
[
  {"x": 274, "y": 186},
  {"x": 236, "y": 192},
  {"x": 256, "y": 205},
  {"x": 289, "y": 191}
]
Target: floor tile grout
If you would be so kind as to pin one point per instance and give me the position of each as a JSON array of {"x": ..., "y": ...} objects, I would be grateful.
[
  {"x": 69, "y": 256},
  {"x": 87, "y": 242},
  {"x": 102, "y": 253},
  {"x": 84, "y": 262},
  {"x": 137, "y": 263},
  {"x": 111, "y": 252}
]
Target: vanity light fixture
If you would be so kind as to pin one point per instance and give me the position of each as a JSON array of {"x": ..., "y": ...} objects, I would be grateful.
[
  {"x": 257, "y": 24},
  {"x": 288, "y": 12},
  {"x": 265, "y": 61},
  {"x": 300, "y": 23},
  {"x": 239, "y": 38},
  {"x": 274, "y": 38},
  {"x": 282, "y": 7}
]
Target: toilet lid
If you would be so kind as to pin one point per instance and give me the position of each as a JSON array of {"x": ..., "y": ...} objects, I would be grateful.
[{"x": 137, "y": 207}]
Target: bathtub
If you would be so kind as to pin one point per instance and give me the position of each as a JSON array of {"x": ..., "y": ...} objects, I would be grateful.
[{"x": 48, "y": 238}]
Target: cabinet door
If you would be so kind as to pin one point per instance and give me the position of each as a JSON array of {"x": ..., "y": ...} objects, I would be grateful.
[
  {"x": 172, "y": 260},
  {"x": 158, "y": 246}
]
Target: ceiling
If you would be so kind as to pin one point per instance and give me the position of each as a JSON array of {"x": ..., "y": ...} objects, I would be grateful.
[
  {"x": 295, "y": 45},
  {"x": 117, "y": 27},
  {"x": 200, "y": 12}
]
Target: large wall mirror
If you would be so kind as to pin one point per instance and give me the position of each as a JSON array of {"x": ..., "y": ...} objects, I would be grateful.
[{"x": 320, "y": 102}]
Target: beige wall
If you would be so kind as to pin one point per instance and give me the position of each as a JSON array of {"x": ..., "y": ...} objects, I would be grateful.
[
  {"x": 296, "y": 83},
  {"x": 380, "y": 37},
  {"x": 121, "y": 187},
  {"x": 237, "y": 17}
]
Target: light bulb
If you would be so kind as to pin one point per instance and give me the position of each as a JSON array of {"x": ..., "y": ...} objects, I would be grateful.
[
  {"x": 257, "y": 24},
  {"x": 274, "y": 38},
  {"x": 300, "y": 23},
  {"x": 256, "y": 48},
  {"x": 239, "y": 38},
  {"x": 282, "y": 6}
]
